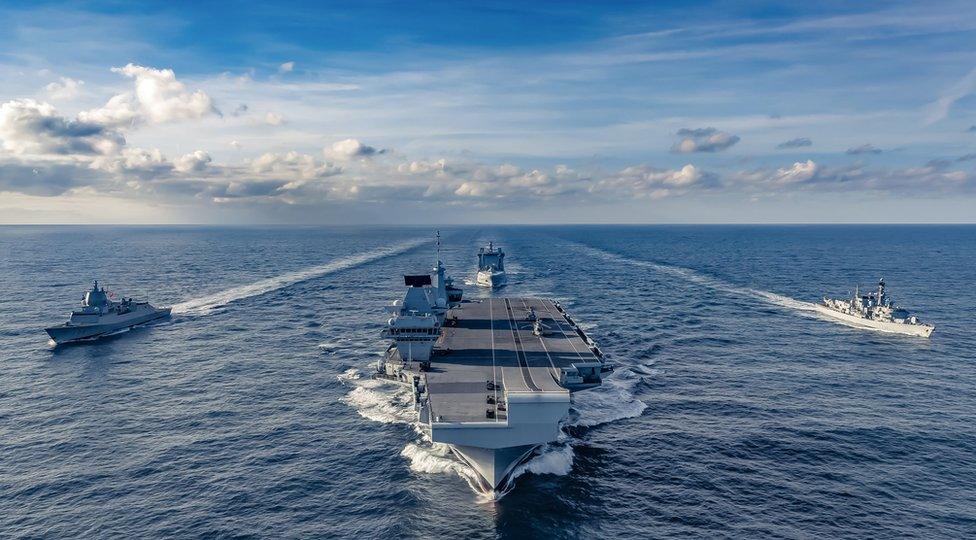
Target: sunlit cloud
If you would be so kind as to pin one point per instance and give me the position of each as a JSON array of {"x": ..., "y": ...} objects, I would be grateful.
[{"x": 622, "y": 115}]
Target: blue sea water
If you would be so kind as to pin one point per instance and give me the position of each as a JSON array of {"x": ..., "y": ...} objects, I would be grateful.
[{"x": 735, "y": 411}]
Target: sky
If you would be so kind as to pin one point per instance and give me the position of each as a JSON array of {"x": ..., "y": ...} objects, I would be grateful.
[{"x": 487, "y": 112}]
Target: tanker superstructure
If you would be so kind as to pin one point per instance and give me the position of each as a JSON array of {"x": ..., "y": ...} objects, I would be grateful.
[
  {"x": 491, "y": 378},
  {"x": 874, "y": 310},
  {"x": 99, "y": 315}
]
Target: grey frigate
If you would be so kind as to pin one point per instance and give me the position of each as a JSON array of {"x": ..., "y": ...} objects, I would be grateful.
[
  {"x": 874, "y": 310},
  {"x": 491, "y": 378},
  {"x": 491, "y": 267},
  {"x": 99, "y": 315}
]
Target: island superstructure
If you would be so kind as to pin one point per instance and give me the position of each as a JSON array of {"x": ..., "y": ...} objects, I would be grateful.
[
  {"x": 874, "y": 310},
  {"x": 99, "y": 315},
  {"x": 491, "y": 267},
  {"x": 490, "y": 378}
]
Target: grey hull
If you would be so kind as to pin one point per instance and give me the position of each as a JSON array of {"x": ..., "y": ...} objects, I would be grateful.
[
  {"x": 494, "y": 465},
  {"x": 68, "y": 333}
]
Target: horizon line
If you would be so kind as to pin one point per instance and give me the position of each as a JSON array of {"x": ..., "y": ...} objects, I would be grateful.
[{"x": 552, "y": 224}]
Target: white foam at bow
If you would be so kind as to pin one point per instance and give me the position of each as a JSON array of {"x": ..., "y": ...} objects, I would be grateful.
[
  {"x": 611, "y": 401},
  {"x": 205, "y": 304},
  {"x": 375, "y": 401},
  {"x": 431, "y": 458},
  {"x": 554, "y": 458}
]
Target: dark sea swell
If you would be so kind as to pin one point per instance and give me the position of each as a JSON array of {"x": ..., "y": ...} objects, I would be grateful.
[{"x": 734, "y": 411}]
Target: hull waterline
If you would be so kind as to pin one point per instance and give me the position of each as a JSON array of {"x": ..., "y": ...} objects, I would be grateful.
[
  {"x": 491, "y": 280},
  {"x": 494, "y": 465},
  {"x": 918, "y": 330},
  {"x": 68, "y": 334}
]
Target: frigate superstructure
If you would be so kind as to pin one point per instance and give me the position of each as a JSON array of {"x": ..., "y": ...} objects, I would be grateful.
[
  {"x": 874, "y": 310},
  {"x": 100, "y": 315},
  {"x": 491, "y": 378},
  {"x": 491, "y": 267}
]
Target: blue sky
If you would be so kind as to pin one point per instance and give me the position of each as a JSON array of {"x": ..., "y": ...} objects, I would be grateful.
[{"x": 461, "y": 112}]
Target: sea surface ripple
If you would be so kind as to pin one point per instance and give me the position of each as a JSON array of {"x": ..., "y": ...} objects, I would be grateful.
[{"x": 734, "y": 412}]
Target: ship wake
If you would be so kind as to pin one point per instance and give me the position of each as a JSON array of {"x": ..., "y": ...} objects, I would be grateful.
[
  {"x": 688, "y": 274},
  {"x": 206, "y": 304}
]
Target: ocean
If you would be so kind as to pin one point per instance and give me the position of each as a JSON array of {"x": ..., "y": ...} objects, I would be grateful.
[{"x": 735, "y": 411}]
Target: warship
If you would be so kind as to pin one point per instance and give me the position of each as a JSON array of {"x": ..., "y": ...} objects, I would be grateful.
[
  {"x": 99, "y": 316},
  {"x": 491, "y": 267},
  {"x": 874, "y": 310},
  {"x": 490, "y": 378}
]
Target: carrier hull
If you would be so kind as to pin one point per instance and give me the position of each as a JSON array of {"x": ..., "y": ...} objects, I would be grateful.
[{"x": 494, "y": 390}]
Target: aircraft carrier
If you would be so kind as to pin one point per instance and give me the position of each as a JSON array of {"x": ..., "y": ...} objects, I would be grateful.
[{"x": 492, "y": 378}]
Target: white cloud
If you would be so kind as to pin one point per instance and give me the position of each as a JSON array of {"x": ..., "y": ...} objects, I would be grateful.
[
  {"x": 645, "y": 181},
  {"x": 507, "y": 181},
  {"x": 120, "y": 112},
  {"x": 421, "y": 167},
  {"x": 287, "y": 67},
  {"x": 935, "y": 177},
  {"x": 274, "y": 119},
  {"x": 89, "y": 152},
  {"x": 350, "y": 149},
  {"x": 703, "y": 140},
  {"x": 195, "y": 162},
  {"x": 293, "y": 165},
  {"x": 64, "y": 89},
  {"x": 139, "y": 162},
  {"x": 31, "y": 127},
  {"x": 157, "y": 98},
  {"x": 799, "y": 172}
]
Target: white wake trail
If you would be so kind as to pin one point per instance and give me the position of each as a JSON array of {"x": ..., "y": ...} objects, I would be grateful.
[
  {"x": 706, "y": 281},
  {"x": 206, "y": 304}
]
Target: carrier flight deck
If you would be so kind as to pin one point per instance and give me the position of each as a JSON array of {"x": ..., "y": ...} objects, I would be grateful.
[
  {"x": 493, "y": 340},
  {"x": 492, "y": 377}
]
